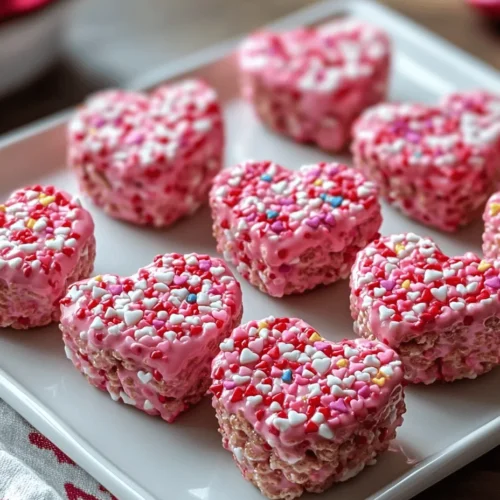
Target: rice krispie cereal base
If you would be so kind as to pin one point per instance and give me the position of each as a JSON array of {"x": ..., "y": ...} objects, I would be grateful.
[
  {"x": 148, "y": 159},
  {"x": 312, "y": 83},
  {"x": 441, "y": 314},
  {"x": 287, "y": 232},
  {"x": 149, "y": 339},
  {"x": 300, "y": 413},
  {"x": 46, "y": 243},
  {"x": 436, "y": 166}
]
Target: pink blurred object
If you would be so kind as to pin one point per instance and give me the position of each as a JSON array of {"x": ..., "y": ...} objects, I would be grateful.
[
  {"x": 11, "y": 8},
  {"x": 30, "y": 38},
  {"x": 490, "y": 8}
]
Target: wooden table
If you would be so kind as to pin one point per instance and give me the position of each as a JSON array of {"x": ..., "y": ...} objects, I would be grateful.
[{"x": 114, "y": 40}]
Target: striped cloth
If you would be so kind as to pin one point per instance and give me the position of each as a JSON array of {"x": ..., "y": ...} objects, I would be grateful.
[{"x": 32, "y": 468}]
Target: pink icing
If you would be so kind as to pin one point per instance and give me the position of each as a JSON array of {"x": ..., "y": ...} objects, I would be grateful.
[
  {"x": 311, "y": 83},
  {"x": 434, "y": 164},
  {"x": 274, "y": 215},
  {"x": 152, "y": 318},
  {"x": 292, "y": 385},
  {"x": 404, "y": 284},
  {"x": 148, "y": 159},
  {"x": 44, "y": 233}
]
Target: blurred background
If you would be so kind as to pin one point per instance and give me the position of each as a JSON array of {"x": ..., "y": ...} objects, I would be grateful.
[
  {"x": 90, "y": 44},
  {"x": 54, "y": 52}
]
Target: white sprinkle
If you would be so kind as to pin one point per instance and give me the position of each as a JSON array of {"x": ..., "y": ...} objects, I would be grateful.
[
  {"x": 71, "y": 242},
  {"x": 191, "y": 261},
  {"x": 419, "y": 308},
  {"x": 227, "y": 345},
  {"x": 282, "y": 424},
  {"x": 54, "y": 244},
  {"x": 166, "y": 278},
  {"x": 321, "y": 365},
  {"x": 385, "y": 312},
  {"x": 275, "y": 406},
  {"x": 116, "y": 329},
  {"x": 333, "y": 380},
  {"x": 28, "y": 247},
  {"x": 15, "y": 263},
  {"x": 254, "y": 400},
  {"x": 150, "y": 303},
  {"x": 217, "y": 271},
  {"x": 279, "y": 187},
  {"x": 127, "y": 400},
  {"x": 239, "y": 380},
  {"x": 432, "y": 275},
  {"x": 98, "y": 292},
  {"x": 97, "y": 324},
  {"x": 362, "y": 377},
  {"x": 372, "y": 360},
  {"x": 325, "y": 431},
  {"x": 283, "y": 347},
  {"x": 136, "y": 295},
  {"x": 203, "y": 299},
  {"x": 69, "y": 354},
  {"x": 144, "y": 377},
  {"x": 457, "y": 306},
  {"x": 148, "y": 405},
  {"x": 170, "y": 336},
  {"x": 133, "y": 317},
  {"x": 296, "y": 418},
  {"x": 247, "y": 356},
  {"x": 349, "y": 352},
  {"x": 264, "y": 388},
  {"x": 440, "y": 293},
  {"x": 141, "y": 285},
  {"x": 176, "y": 319}
]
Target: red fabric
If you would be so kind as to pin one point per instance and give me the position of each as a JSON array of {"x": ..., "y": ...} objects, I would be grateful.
[
  {"x": 32, "y": 467},
  {"x": 9, "y": 8},
  {"x": 487, "y": 7}
]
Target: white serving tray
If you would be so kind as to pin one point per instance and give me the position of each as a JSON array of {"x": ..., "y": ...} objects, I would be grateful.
[{"x": 141, "y": 457}]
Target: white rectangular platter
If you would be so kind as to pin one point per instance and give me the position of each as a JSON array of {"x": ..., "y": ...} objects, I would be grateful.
[{"x": 140, "y": 457}]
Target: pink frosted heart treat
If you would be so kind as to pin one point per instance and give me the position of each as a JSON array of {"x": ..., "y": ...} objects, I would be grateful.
[
  {"x": 288, "y": 232},
  {"x": 476, "y": 102},
  {"x": 436, "y": 166},
  {"x": 299, "y": 412},
  {"x": 149, "y": 339},
  {"x": 440, "y": 313},
  {"x": 311, "y": 83},
  {"x": 46, "y": 243},
  {"x": 148, "y": 159},
  {"x": 481, "y": 106}
]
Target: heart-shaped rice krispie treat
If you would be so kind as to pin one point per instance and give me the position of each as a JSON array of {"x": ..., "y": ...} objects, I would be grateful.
[
  {"x": 288, "y": 232},
  {"x": 299, "y": 412},
  {"x": 148, "y": 159},
  {"x": 149, "y": 339},
  {"x": 440, "y": 313},
  {"x": 312, "y": 83},
  {"x": 436, "y": 166},
  {"x": 46, "y": 243}
]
